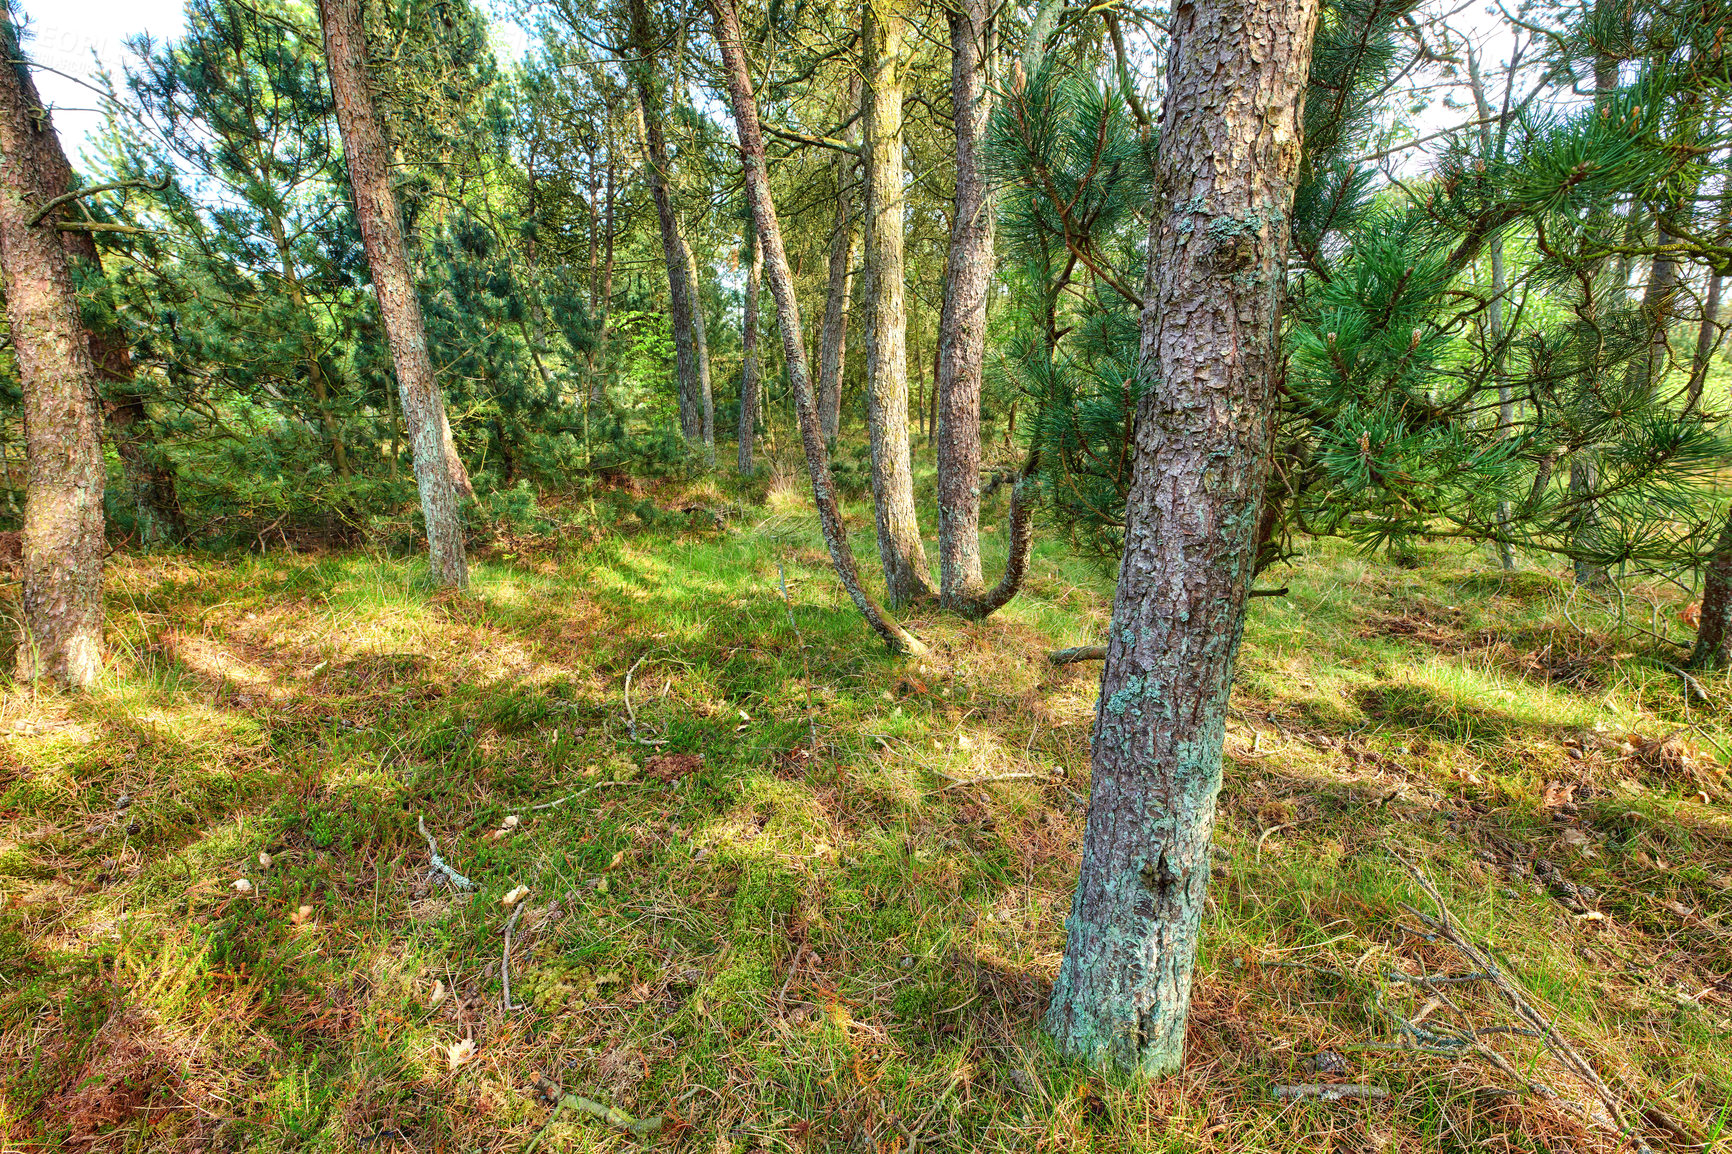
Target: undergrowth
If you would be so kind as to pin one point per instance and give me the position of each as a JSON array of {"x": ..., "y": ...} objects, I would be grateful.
[{"x": 771, "y": 946}]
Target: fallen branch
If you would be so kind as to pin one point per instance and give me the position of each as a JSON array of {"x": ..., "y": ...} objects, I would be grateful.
[
  {"x": 631, "y": 714},
  {"x": 805, "y": 663},
  {"x": 1078, "y": 653},
  {"x": 959, "y": 782},
  {"x": 1450, "y": 930},
  {"x": 439, "y": 866},
  {"x": 1328, "y": 1091},
  {"x": 1692, "y": 687},
  {"x": 505, "y": 956},
  {"x": 555, "y": 804},
  {"x": 612, "y": 1115}
]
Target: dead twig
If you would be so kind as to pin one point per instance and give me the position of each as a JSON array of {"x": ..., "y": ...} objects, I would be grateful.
[
  {"x": 557, "y": 802},
  {"x": 960, "y": 782},
  {"x": 505, "y": 955},
  {"x": 805, "y": 664},
  {"x": 1078, "y": 653},
  {"x": 439, "y": 866},
  {"x": 1451, "y": 931},
  {"x": 630, "y": 713},
  {"x": 1328, "y": 1091}
]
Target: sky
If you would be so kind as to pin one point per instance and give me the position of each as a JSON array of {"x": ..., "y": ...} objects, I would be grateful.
[{"x": 77, "y": 38}]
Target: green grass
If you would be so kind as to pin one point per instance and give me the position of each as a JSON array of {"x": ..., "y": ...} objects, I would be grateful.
[{"x": 835, "y": 952}]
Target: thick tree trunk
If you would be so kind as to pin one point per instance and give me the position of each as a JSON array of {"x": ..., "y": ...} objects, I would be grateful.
[
  {"x": 844, "y": 242},
  {"x": 439, "y": 474},
  {"x": 749, "y": 352},
  {"x": 1714, "y": 629},
  {"x": 899, "y": 544},
  {"x": 962, "y": 319},
  {"x": 788, "y": 321},
  {"x": 1228, "y": 153},
  {"x": 149, "y": 475},
  {"x": 63, "y": 540},
  {"x": 701, "y": 346}
]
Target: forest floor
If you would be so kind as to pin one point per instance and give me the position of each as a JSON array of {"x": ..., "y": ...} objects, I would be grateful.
[{"x": 756, "y": 944}]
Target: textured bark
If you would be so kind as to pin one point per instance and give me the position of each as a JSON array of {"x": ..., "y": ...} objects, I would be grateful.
[
  {"x": 147, "y": 471},
  {"x": 62, "y": 543},
  {"x": 844, "y": 243},
  {"x": 1714, "y": 630},
  {"x": 681, "y": 298},
  {"x": 749, "y": 353},
  {"x": 962, "y": 318},
  {"x": 1224, "y": 171},
  {"x": 701, "y": 346},
  {"x": 438, "y": 473},
  {"x": 781, "y": 280},
  {"x": 899, "y": 544}
]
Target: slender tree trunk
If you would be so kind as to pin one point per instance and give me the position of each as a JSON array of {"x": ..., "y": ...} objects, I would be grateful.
[
  {"x": 1224, "y": 170},
  {"x": 681, "y": 299},
  {"x": 597, "y": 387},
  {"x": 1714, "y": 630},
  {"x": 962, "y": 319},
  {"x": 751, "y": 137},
  {"x": 899, "y": 544},
  {"x": 438, "y": 473},
  {"x": 749, "y": 352},
  {"x": 844, "y": 243},
  {"x": 701, "y": 345},
  {"x": 63, "y": 540},
  {"x": 1492, "y": 143}
]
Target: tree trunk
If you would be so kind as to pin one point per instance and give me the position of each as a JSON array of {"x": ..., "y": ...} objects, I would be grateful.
[
  {"x": 1714, "y": 629},
  {"x": 751, "y": 138},
  {"x": 1224, "y": 172},
  {"x": 833, "y": 346},
  {"x": 148, "y": 472},
  {"x": 597, "y": 388},
  {"x": 63, "y": 540},
  {"x": 899, "y": 544},
  {"x": 681, "y": 299},
  {"x": 438, "y": 473},
  {"x": 749, "y": 353},
  {"x": 1493, "y": 146},
  {"x": 701, "y": 345},
  {"x": 962, "y": 319}
]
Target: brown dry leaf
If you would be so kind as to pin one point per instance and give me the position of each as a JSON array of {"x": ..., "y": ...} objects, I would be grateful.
[
  {"x": 458, "y": 1053},
  {"x": 1558, "y": 794},
  {"x": 673, "y": 766}
]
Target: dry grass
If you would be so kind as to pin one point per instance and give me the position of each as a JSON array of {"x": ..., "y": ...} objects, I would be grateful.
[{"x": 780, "y": 949}]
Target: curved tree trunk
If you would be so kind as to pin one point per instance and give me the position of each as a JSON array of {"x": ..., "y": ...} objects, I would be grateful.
[
  {"x": 751, "y": 136},
  {"x": 63, "y": 539},
  {"x": 438, "y": 474},
  {"x": 844, "y": 242},
  {"x": 1224, "y": 170},
  {"x": 899, "y": 544},
  {"x": 962, "y": 319},
  {"x": 749, "y": 352}
]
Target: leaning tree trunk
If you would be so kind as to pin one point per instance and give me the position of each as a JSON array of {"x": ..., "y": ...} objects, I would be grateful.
[
  {"x": 899, "y": 544},
  {"x": 962, "y": 336},
  {"x": 701, "y": 346},
  {"x": 382, "y": 235},
  {"x": 749, "y": 353},
  {"x": 1714, "y": 629},
  {"x": 751, "y": 138},
  {"x": 1224, "y": 170},
  {"x": 60, "y": 634},
  {"x": 833, "y": 345}
]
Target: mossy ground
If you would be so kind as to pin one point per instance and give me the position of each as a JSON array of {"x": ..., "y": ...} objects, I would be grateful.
[{"x": 780, "y": 950}]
